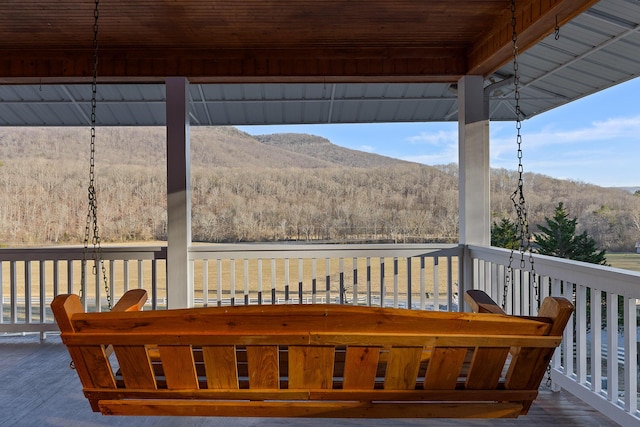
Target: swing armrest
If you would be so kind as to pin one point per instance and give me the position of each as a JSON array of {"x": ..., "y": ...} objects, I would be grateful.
[
  {"x": 480, "y": 302},
  {"x": 132, "y": 300}
]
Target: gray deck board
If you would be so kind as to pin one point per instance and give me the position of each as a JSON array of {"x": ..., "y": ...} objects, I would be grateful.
[{"x": 37, "y": 388}]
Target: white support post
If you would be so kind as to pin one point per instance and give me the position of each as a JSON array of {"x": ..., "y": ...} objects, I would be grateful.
[
  {"x": 474, "y": 171},
  {"x": 473, "y": 139},
  {"x": 179, "y": 276}
]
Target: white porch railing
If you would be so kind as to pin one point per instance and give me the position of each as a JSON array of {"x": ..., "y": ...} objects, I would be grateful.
[
  {"x": 605, "y": 318},
  {"x": 30, "y": 278},
  {"x": 420, "y": 276},
  {"x": 409, "y": 276},
  {"x": 412, "y": 276}
]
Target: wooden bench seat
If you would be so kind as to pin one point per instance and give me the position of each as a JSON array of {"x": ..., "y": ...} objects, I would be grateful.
[{"x": 308, "y": 360}]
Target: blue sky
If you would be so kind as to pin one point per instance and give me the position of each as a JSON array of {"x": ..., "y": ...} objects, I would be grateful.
[{"x": 594, "y": 139}]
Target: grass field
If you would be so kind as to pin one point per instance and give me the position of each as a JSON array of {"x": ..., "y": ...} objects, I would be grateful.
[{"x": 628, "y": 261}]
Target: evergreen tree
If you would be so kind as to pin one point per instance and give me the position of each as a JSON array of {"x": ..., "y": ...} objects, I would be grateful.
[
  {"x": 558, "y": 238},
  {"x": 503, "y": 235}
]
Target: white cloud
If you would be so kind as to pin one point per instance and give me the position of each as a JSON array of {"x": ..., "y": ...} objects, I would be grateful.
[
  {"x": 592, "y": 139},
  {"x": 620, "y": 127},
  {"x": 440, "y": 147},
  {"x": 367, "y": 148},
  {"x": 602, "y": 152},
  {"x": 438, "y": 138}
]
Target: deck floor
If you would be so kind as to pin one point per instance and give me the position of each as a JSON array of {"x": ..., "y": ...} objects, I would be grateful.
[{"x": 37, "y": 388}]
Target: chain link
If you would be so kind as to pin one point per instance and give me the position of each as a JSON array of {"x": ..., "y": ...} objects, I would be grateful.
[
  {"x": 517, "y": 197},
  {"x": 92, "y": 231}
]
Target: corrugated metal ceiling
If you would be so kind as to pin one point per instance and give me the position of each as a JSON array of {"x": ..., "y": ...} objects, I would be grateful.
[{"x": 598, "y": 49}]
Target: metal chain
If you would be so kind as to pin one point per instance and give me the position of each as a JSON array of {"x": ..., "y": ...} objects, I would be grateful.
[
  {"x": 557, "y": 37},
  {"x": 517, "y": 197},
  {"x": 91, "y": 227}
]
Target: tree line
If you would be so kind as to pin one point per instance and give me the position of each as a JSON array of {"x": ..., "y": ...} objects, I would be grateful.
[
  {"x": 45, "y": 201},
  {"x": 43, "y": 193}
]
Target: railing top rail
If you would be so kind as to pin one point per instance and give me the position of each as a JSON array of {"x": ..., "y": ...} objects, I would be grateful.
[
  {"x": 310, "y": 250},
  {"x": 76, "y": 252},
  {"x": 236, "y": 250},
  {"x": 605, "y": 278}
]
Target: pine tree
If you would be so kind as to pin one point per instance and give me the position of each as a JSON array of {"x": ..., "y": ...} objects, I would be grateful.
[
  {"x": 558, "y": 238},
  {"x": 503, "y": 235}
]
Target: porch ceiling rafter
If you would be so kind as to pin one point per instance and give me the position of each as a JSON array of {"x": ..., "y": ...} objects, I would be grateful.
[
  {"x": 535, "y": 20},
  {"x": 269, "y": 41},
  {"x": 152, "y": 65}
]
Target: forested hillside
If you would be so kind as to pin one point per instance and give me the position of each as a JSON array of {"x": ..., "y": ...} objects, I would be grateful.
[{"x": 264, "y": 188}]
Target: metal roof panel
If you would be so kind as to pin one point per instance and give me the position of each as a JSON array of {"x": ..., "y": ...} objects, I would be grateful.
[{"x": 596, "y": 50}]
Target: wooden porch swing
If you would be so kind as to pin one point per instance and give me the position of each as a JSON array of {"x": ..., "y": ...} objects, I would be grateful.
[{"x": 325, "y": 361}]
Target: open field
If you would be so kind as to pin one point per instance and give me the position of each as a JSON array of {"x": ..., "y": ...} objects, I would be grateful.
[{"x": 628, "y": 261}]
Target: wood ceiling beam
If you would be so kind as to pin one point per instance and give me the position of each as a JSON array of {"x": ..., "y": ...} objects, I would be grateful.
[
  {"x": 242, "y": 65},
  {"x": 535, "y": 19}
]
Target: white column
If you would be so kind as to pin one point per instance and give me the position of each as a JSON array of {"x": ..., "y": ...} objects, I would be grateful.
[
  {"x": 473, "y": 156},
  {"x": 474, "y": 172},
  {"x": 179, "y": 280}
]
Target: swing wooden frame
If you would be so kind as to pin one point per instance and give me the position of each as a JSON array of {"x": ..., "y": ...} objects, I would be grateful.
[{"x": 327, "y": 361}]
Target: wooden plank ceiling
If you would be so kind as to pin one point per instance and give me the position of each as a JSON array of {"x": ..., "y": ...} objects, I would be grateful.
[{"x": 208, "y": 41}]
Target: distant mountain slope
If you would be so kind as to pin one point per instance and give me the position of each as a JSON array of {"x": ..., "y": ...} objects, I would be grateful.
[
  {"x": 275, "y": 187},
  {"x": 321, "y": 148},
  {"x": 210, "y": 147},
  {"x": 631, "y": 190},
  {"x": 229, "y": 147}
]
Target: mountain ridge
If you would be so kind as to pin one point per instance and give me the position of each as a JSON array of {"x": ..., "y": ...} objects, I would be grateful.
[
  {"x": 319, "y": 147},
  {"x": 220, "y": 146},
  {"x": 277, "y": 187},
  {"x": 210, "y": 147}
]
